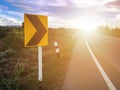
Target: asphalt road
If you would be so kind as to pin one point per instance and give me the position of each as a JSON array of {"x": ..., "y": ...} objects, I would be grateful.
[{"x": 95, "y": 64}]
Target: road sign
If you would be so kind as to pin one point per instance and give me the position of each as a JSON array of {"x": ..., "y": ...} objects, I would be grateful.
[
  {"x": 36, "y": 34},
  {"x": 35, "y": 30}
]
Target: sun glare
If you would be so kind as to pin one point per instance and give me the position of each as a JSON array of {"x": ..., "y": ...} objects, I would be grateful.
[{"x": 87, "y": 24}]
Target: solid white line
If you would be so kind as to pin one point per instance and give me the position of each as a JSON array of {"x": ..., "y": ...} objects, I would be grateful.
[{"x": 106, "y": 78}]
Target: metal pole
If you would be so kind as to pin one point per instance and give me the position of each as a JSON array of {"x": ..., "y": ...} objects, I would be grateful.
[
  {"x": 40, "y": 67},
  {"x": 40, "y": 63}
]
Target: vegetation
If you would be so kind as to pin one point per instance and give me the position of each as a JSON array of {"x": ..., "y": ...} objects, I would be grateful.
[
  {"x": 114, "y": 32},
  {"x": 19, "y": 65}
]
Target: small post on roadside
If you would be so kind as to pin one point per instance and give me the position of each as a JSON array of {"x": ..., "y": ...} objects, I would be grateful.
[{"x": 57, "y": 50}]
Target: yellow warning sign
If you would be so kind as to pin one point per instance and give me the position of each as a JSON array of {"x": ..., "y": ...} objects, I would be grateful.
[{"x": 35, "y": 30}]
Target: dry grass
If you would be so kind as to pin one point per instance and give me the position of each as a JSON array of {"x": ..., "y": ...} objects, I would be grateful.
[{"x": 54, "y": 68}]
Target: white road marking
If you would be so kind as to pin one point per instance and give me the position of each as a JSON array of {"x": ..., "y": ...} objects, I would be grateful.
[{"x": 106, "y": 78}]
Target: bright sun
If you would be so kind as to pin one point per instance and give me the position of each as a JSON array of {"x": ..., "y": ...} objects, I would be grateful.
[{"x": 87, "y": 24}]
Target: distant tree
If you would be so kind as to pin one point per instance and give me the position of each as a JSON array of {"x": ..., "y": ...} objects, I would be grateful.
[
  {"x": 107, "y": 30},
  {"x": 104, "y": 30},
  {"x": 116, "y": 32}
]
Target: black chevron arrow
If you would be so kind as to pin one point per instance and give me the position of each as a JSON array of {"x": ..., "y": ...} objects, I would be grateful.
[{"x": 40, "y": 30}]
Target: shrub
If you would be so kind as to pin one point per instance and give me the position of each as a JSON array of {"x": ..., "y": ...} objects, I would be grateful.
[
  {"x": 12, "y": 83},
  {"x": 13, "y": 40},
  {"x": 7, "y": 53}
]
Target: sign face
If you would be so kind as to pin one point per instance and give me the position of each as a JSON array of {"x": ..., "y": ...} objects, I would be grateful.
[{"x": 35, "y": 30}]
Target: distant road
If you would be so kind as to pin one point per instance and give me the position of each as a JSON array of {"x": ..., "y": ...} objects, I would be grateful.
[{"x": 95, "y": 64}]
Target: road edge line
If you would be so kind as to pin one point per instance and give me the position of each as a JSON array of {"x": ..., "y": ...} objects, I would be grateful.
[{"x": 104, "y": 75}]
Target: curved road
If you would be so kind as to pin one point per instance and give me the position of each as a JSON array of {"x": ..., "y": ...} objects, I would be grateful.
[{"x": 84, "y": 74}]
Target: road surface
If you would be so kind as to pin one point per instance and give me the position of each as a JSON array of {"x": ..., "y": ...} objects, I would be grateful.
[{"x": 95, "y": 64}]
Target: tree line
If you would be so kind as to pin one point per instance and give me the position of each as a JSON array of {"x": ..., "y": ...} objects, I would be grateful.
[{"x": 115, "y": 32}]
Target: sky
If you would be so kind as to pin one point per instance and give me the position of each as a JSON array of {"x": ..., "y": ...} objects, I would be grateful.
[{"x": 61, "y": 13}]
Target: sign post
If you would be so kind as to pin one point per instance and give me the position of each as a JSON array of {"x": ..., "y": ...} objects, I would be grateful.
[
  {"x": 40, "y": 63},
  {"x": 36, "y": 35}
]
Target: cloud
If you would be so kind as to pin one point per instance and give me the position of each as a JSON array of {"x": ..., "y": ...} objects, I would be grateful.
[
  {"x": 117, "y": 19},
  {"x": 112, "y": 6},
  {"x": 111, "y": 9},
  {"x": 106, "y": 1},
  {"x": 8, "y": 17},
  {"x": 8, "y": 21},
  {"x": 39, "y": 2},
  {"x": 113, "y": 22},
  {"x": 9, "y": 1},
  {"x": 24, "y": 7},
  {"x": 58, "y": 3},
  {"x": 115, "y": 3},
  {"x": 85, "y": 3},
  {"x": 18, "y": 14},
  {"x": 3, "y": 7}
]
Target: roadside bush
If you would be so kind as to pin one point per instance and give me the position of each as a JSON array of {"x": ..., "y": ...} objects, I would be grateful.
[
  {"x": 13, "y": 40},
  {"x": 7, "y": 53},
  {"x": 12, "y": 83},
  {"x": 1, "y": 45},
  {"x": 3, "y": 33},
  {"x": 1, "y": 55}
]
